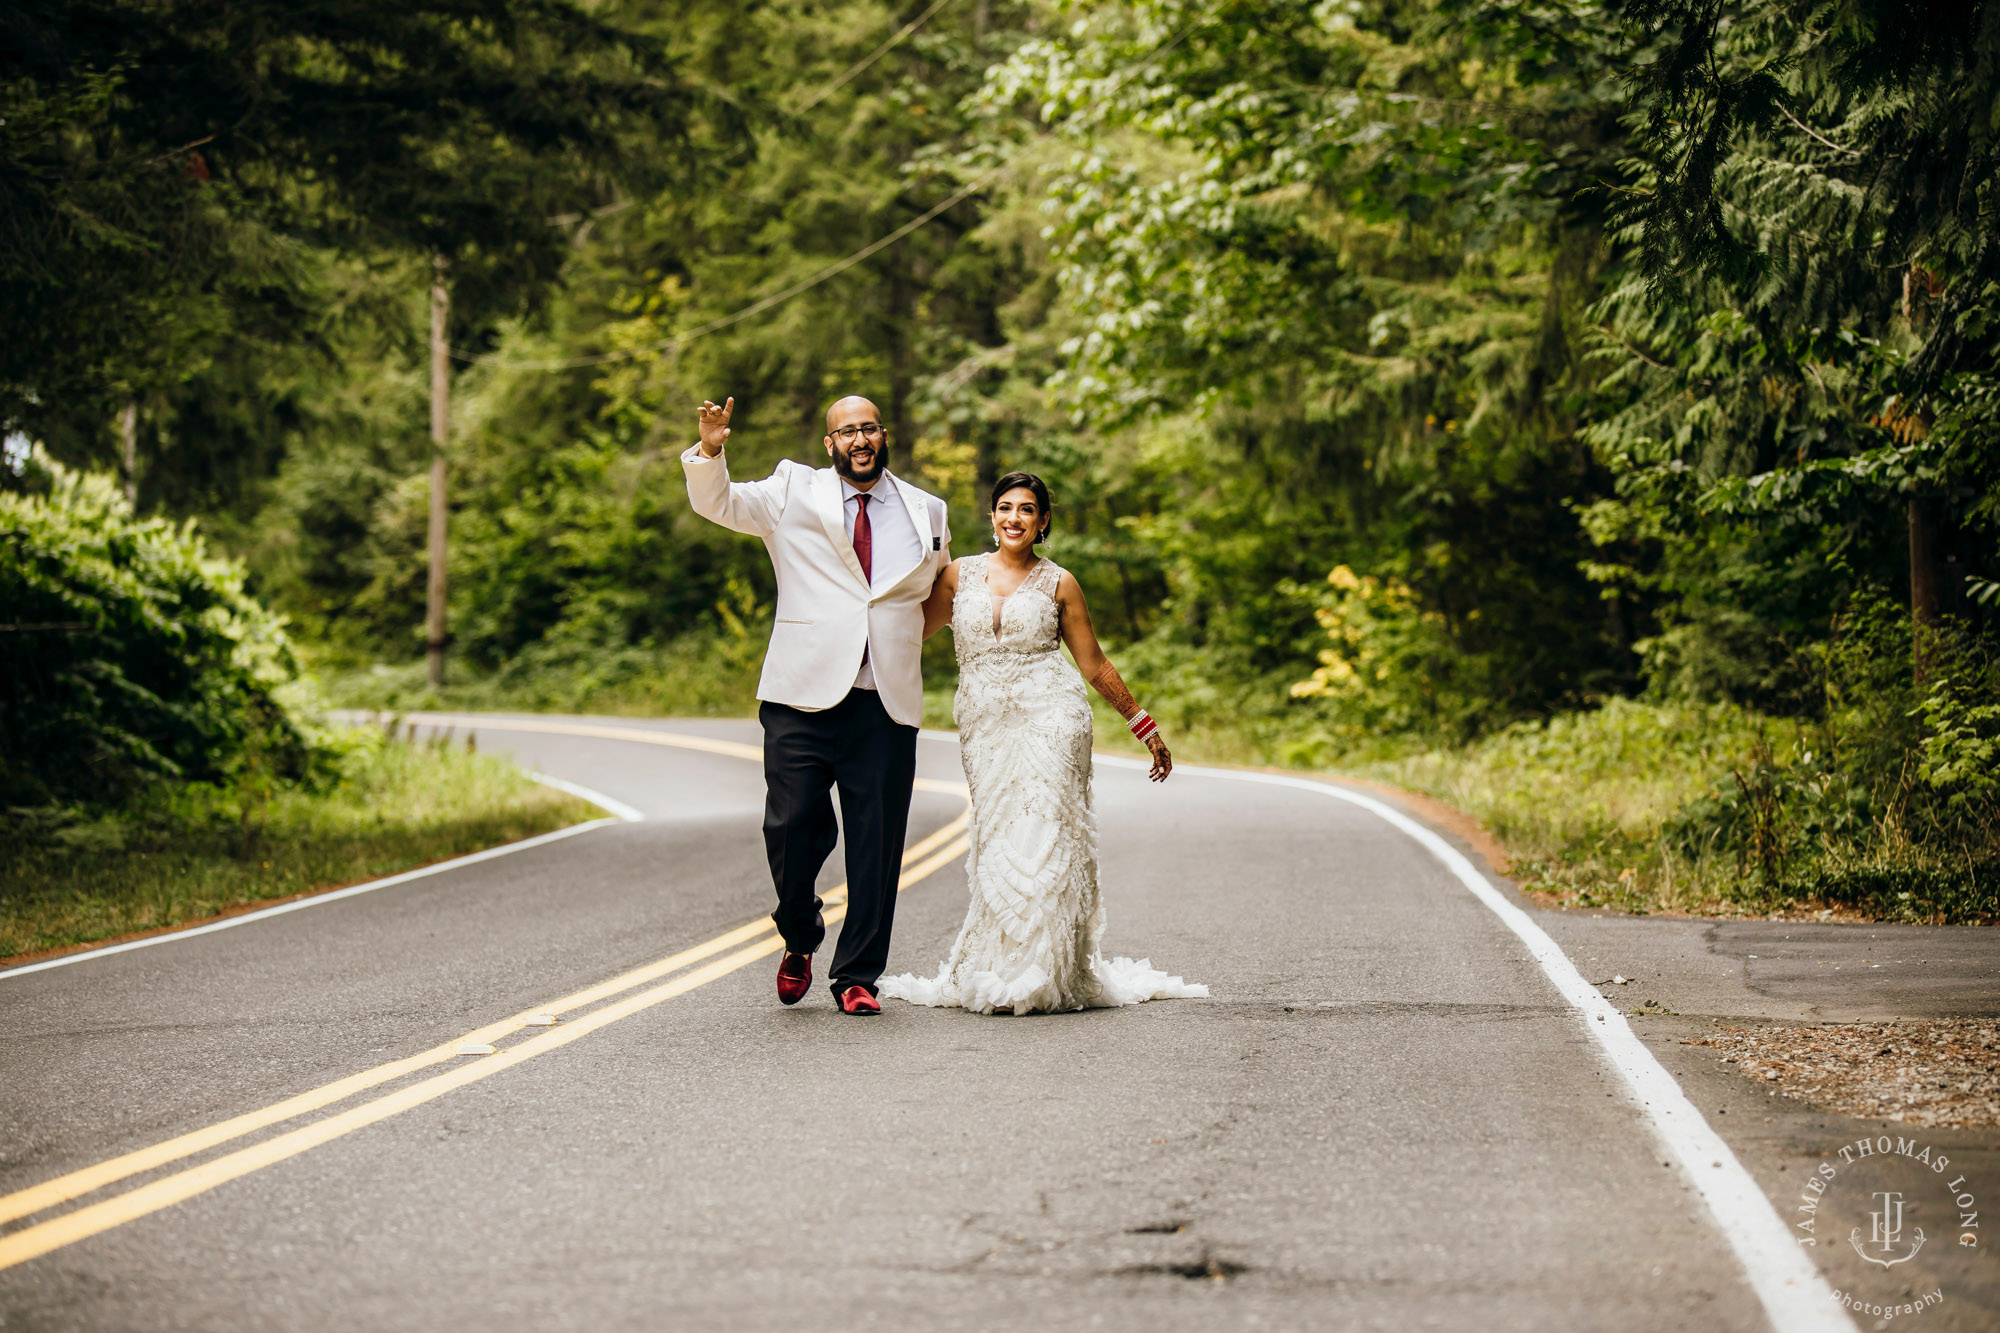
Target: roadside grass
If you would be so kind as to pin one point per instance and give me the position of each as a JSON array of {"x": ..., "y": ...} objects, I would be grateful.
[
  {"x": 185, "y": 852},
  {"x": 1582, "y": 802}
]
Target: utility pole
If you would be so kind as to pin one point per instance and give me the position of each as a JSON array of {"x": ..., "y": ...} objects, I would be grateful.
[
  {"x": 440, "y": 425},
  {"x": 1924, "y": 598},
  {"x": 128, "y": 429}
]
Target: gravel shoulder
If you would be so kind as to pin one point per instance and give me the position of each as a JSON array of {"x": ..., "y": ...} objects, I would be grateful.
[{"x": 1933, "y": 1073}]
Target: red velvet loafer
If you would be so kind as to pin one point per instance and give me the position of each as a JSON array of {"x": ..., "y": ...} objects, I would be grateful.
[
  {"x": 795, "y": 977},
  {"x": 857, "y": 1000}
]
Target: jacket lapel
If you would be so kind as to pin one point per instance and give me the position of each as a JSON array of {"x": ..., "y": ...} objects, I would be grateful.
[
  {"x": 826, "y": 504},
  {"x": 920, "y": 520}
]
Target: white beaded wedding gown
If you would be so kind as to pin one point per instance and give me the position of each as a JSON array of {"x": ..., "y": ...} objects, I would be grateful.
[{"x": 1030, "y": 939}]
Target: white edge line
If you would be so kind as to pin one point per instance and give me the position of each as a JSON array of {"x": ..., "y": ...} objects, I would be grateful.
[
  {"x": 1790, "y": 1286},
  {"x": 611, "y": 804},
  {"x": 313, "y": 900}
]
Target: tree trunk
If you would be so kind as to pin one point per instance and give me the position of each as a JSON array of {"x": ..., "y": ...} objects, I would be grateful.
[
  {"x": 440, "y": 424},
  {"x": 1923, "y": 585},
  {"x": 128, "y": 429}
]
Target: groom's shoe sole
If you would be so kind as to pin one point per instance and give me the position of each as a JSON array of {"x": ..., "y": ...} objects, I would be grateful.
[
  {"x": 794, "y": 978},
  {"x": 856, "y": 1000}
]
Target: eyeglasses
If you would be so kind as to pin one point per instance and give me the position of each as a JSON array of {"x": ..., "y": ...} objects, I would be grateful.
[{"x": 867, "y": 430}]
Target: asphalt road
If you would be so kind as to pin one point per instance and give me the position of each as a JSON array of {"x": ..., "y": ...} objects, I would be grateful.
[{"x": 1387, "y": 1116}]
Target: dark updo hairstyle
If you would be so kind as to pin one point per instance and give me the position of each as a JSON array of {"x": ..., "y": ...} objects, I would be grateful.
[{"x": 1016, "y": 481}]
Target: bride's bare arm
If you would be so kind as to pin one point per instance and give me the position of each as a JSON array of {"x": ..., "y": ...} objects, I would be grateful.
[
  {"x": 1097, "y": 669},
  {"x": 937, "y": 606}
]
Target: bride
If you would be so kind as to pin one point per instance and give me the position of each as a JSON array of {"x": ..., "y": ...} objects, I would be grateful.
[{"x": 1030, "y": 939}]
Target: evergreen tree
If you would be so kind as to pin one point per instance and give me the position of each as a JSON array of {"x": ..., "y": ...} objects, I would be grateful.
[{"x": 167, "y": 170}]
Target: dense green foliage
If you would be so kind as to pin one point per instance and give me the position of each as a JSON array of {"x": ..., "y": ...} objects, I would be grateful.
[
  {"x": 1811, "y": 347},
  {"x": 131, "y": 653},
  {"x": 178, "y": 180},
  {"x": 1413, "y": 375}
]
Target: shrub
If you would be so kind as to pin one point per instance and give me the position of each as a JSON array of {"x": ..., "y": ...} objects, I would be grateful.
[
  {"x": 1890, "y": 800},
  {"x": 129, "y": 652},
  {"x": 1390, "y": 665}
]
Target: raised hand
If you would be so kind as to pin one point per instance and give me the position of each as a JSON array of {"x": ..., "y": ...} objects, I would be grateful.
[{"x": 715, "y": 426}]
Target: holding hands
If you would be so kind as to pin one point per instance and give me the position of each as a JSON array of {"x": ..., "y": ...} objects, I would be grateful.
[{"x": 715, "y": 426}]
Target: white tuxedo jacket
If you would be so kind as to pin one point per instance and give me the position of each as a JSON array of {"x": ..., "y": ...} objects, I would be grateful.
[{"x": 827, "y": 613}]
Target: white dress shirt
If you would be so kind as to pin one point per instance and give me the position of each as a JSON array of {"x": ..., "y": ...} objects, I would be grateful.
[{"x": 895, "y": 543}]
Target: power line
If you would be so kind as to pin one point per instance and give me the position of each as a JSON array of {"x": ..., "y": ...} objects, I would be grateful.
[
  {"x": 873, "y": 56},
  {"x": 757, "y": 307},
  {"x": 675, "y": 343}
]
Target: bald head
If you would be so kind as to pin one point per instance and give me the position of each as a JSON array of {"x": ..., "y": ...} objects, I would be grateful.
[
  {"x": 851, "y": 410},
  {"x": 865, "y": 452}
]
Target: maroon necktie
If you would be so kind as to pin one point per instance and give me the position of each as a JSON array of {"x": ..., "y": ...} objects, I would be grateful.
[{"x": 864, "y": 541}]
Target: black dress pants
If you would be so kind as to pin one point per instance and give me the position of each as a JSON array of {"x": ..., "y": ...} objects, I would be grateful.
[{"x": 857, "y": 747}]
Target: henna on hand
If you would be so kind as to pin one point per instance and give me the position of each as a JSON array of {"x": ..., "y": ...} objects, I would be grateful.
[{"x": 1111, "y": 685}]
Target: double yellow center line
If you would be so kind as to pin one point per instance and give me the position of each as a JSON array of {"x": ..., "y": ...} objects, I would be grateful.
[{"x": 713, "y": 959}]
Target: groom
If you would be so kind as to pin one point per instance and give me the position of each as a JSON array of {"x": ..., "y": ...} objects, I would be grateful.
[{"x": 856, "y": 549}]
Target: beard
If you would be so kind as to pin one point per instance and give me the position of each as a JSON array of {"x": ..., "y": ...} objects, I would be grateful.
[{"x": 843, "y": 463}]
